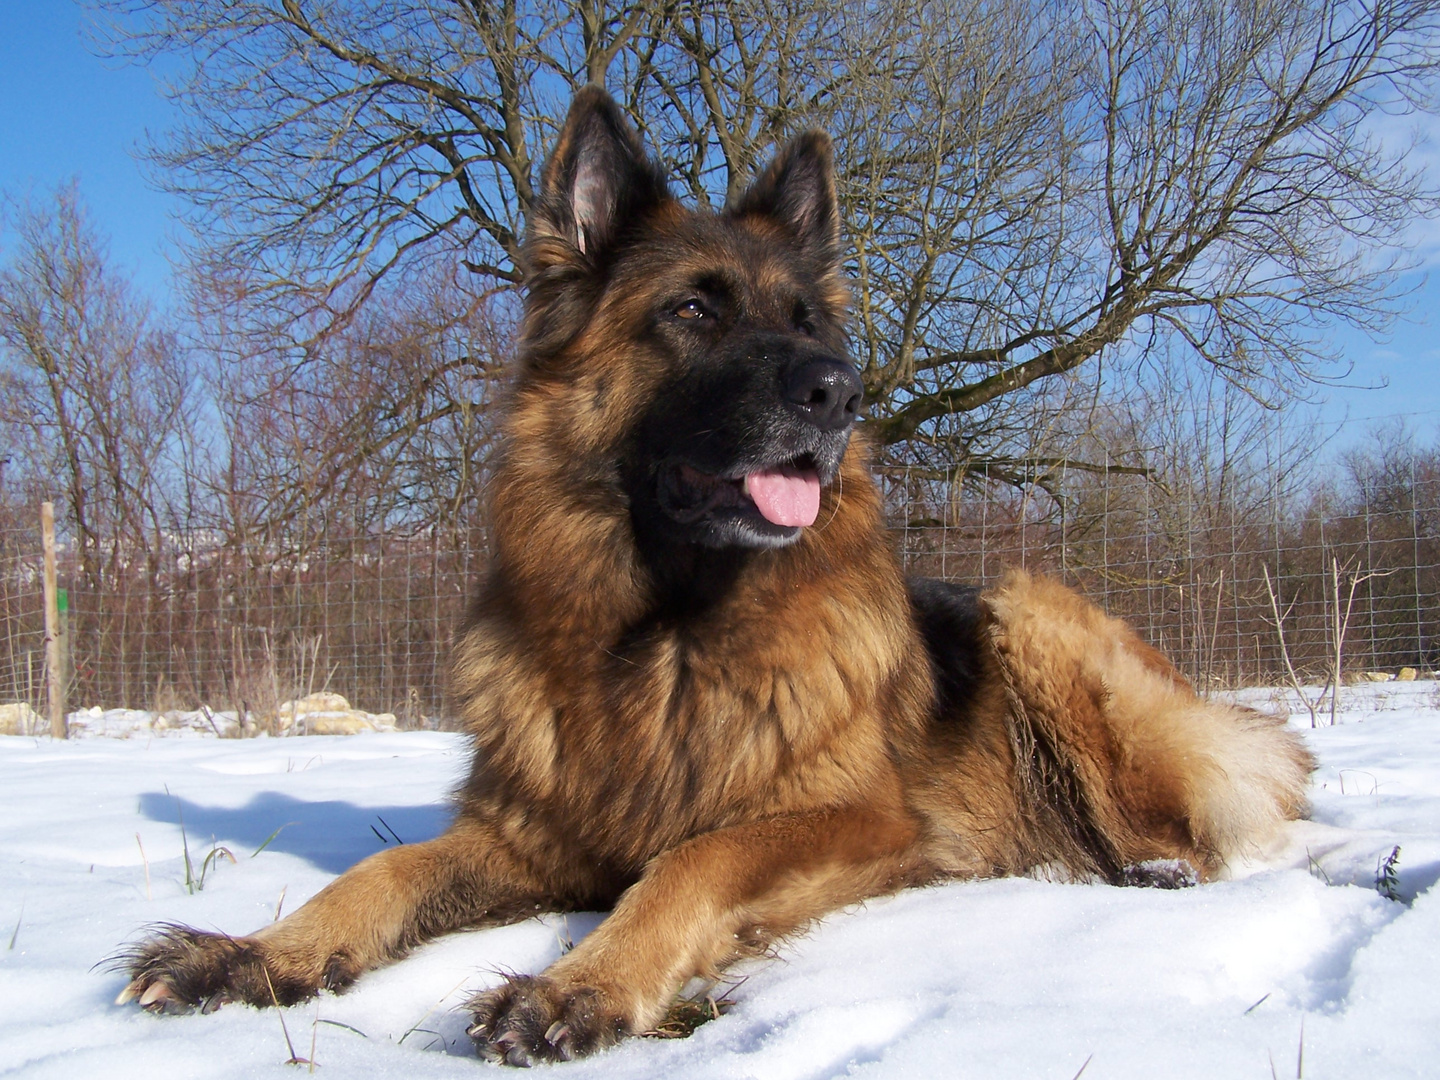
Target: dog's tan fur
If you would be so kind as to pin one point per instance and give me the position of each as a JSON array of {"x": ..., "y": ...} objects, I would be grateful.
[
  {"x": 1106, "y": 756},
  {"x": 722, "y": 783}
]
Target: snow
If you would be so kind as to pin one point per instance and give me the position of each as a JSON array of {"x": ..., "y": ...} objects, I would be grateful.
[{"x": 1012, "y": 978}]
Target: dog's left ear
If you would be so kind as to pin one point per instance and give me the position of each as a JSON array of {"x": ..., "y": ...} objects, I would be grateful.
[{"x": 798, "y": 191}]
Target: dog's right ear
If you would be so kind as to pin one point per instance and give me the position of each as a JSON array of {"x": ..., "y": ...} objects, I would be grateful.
[{"x": 597, "y": 179}]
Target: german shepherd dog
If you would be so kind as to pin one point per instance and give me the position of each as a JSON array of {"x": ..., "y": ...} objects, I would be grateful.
[{"x": 701, "y": 692}]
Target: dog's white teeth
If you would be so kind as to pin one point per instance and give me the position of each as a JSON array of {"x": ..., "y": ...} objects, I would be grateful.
[
  {"x": 128, "y": 994},
  {"x": 745, "y": 485}
]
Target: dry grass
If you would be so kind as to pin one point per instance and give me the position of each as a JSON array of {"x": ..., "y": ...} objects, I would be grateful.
[{"x": 687, "y": 1015}]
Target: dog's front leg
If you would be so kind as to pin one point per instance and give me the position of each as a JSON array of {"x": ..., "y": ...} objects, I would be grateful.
[
  {"x": 372, "y": 913},
  {"x": 715, "y": 898}
]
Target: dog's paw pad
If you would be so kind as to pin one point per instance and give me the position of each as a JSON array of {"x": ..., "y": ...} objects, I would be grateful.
[{"x": 531, "y": 1019}]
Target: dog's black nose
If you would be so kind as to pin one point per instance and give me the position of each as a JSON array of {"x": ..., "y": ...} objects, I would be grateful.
[{"x": 827, "y": 393}]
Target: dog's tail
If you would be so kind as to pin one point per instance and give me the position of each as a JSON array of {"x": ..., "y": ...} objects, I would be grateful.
[{"x": 1119, "y": 761}]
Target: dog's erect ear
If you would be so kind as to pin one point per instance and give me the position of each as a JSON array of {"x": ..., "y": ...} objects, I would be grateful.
[
  {"x": 596, "y": 179},
  {"x": 798, "y": 190}
]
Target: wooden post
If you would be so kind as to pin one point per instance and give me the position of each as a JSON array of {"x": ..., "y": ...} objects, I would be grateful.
[{"x": 54, "y": 669}]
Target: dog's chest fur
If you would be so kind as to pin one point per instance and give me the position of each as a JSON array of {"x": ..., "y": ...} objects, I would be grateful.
[{"x": 636, "y": 732}]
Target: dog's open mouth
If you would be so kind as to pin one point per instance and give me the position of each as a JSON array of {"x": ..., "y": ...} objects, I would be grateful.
[{"x": 787, "y": 495}]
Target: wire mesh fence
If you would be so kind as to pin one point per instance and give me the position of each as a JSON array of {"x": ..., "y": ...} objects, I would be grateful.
[
  {"x": 1228, "y": 588},
  {"x": 196, "y": 620},
  {"x": 1236, "y": 592},
  {"x": 22, "y": 616}
]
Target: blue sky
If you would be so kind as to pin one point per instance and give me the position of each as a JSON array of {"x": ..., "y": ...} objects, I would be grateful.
[{"x": 67, "y": 113}]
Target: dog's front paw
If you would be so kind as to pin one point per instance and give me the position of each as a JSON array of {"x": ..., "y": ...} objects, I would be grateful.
[
  {"x": 530, "y": 1018},
  {"x": 177, "y": 969}
]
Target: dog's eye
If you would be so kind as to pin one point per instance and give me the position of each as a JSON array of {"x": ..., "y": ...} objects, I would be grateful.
[
  {"x": 802, "y": 319},
  {"x": 692, "y": 309}
]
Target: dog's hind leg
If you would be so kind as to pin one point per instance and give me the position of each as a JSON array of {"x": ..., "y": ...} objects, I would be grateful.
[
  {"x": 1112, "y": 737},
  {"x": 372, "y": 913},
  {"x": 697, "y": 907}
]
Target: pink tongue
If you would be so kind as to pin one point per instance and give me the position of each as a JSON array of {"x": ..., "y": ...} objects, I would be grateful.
[{"x": 785, "y": 496}]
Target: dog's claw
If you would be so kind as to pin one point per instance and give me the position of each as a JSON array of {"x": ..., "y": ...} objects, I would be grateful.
[
  {"x": 508, "y": 1047},
  {"x": 155, "y": 992},
  {"x": 558, "y": 1036},
  {"x": 528, "y": 1020},
  {"x": 497, "y": 1049},
  {"x": 128, "y": 994}
]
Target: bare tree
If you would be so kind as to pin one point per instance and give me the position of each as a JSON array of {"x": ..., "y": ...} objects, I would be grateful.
[
  {"x": 96, "y": 391},
  {"x": 1218, "y": 188},
  {"x": 386, "y": 421},
  {"x": 1030, "y": 188},
  {"x": 325, "y": 145}
]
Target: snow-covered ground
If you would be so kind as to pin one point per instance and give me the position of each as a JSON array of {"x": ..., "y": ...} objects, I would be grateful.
[{"x": 1013, "y": 978}]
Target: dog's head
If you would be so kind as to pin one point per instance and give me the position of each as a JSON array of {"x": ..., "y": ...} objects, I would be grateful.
[{"x": 703, "y": 355}]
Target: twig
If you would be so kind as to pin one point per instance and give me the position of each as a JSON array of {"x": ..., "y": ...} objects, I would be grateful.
[
  {"x": 1341, "y": 624},
  {"x": 390, "y": 830},
  {"x": 146, "y": 862},
  {"x": 314, "y": 1033},
  {"x": 1214, "y": 637},
  {"x": 1285, "y": 650},
  {"x": 210, "y": 718},
  {"x": 431, "y": 1012},
  {"x": 347, "y": 1027},
  {"x": 275, "y": 998}
]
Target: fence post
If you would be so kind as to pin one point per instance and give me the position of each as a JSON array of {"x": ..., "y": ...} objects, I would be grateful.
[{"x": 54, "y": 668}]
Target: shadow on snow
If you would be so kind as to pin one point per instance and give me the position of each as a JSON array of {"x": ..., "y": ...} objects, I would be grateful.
[{"x": 332, "y": 836}]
